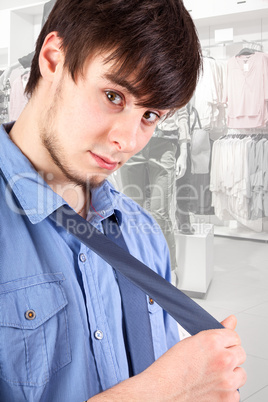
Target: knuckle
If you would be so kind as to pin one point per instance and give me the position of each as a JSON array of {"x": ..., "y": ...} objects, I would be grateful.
[
  {"x": 233, "y": 380},
  {"x": 225, "y": 361},
  {"x": 213, "y": 340},
  {"x": 238, "y": 339}
]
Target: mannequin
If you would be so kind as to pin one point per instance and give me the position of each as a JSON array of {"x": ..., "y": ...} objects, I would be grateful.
[
  {"x": 185, "y": 186},
  {"x": 183, "y": 193},
  {"x": 149, "y": 176},
  {"x": 182, "y": 160}
]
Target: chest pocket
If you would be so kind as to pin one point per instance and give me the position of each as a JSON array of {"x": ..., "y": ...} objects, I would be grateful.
[{"x": 34, "y": 340}]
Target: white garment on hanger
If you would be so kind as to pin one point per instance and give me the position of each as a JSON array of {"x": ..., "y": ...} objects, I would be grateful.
[{"x": 238, "y": 180}]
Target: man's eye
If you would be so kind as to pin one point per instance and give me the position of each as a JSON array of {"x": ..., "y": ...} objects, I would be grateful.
[
  {"x": 114, "y": 98},
  {"x": 151, "y": 117}
]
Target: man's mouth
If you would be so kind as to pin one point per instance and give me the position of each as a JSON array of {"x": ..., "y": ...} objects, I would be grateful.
[{"x": 104, "y": 162}]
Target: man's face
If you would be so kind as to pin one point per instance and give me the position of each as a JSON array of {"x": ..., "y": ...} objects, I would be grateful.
[{"x": 92, "y": 127}]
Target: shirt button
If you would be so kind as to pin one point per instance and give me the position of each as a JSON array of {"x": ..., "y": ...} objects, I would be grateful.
[
  {"x": 82, "y": 257},
  {"x": 103, "y": 212},
  {"x": 30, "y": 315},
  {"x": 98, "y": 335},
  {"x": 151, "y": 301}
]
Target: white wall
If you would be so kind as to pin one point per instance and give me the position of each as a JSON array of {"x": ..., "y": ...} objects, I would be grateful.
[{"x": 11, "y": 4}]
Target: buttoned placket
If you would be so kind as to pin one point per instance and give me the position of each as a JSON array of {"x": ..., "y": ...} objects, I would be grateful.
[{"x": 101, "y": 338}]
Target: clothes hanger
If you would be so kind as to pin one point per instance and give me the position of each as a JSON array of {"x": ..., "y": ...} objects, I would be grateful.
[{"x": 245, "y": 52}]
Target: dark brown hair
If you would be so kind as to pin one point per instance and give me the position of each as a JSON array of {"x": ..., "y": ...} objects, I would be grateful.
[{"x": 152, "y": 43}]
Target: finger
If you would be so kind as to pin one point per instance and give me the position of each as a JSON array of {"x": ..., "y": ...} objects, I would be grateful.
[
  {"x": 227, "y": 337},
  {"x": 239, "y": 355},
  {"x": 236, "y": 396},
  {"x": 230, "y": 322},
  {"x": 240, "y": 377}
]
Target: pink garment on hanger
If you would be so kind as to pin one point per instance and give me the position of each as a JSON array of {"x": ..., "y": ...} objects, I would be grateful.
[
  {"x": 17, "y": 98},
  {"x": 247, "y": 91}
]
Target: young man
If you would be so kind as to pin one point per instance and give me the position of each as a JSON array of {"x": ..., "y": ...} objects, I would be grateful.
[{"x": 104, "y": 73}]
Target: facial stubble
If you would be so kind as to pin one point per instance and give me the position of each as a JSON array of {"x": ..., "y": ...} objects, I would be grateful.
[{"x": 53, "y": 147}]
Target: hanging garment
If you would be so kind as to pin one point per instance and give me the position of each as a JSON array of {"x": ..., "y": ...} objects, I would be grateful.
[
  {"x": 238, "y": 178},
  {"x": 200, "y": 147},
  {"x": 265, "y": 178},
  {"x": 18, "y": 100},
  {"x": 192, "y": 190},
  {"x": 247, "y": 91},
  {"x": 208, "y": 97}
]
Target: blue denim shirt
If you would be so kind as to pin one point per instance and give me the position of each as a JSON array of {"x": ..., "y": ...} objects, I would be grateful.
[{"x": 59, "y": 356}]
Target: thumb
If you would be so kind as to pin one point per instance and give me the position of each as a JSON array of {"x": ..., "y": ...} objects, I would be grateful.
[{"x": 230, "y": 322}]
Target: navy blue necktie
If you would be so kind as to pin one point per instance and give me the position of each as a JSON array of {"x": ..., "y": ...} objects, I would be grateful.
[
  {"x": 184, "y": 310},
  {"x": 135, "y": 310}
]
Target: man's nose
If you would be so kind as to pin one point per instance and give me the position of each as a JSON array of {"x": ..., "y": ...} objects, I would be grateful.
[{"x": 124, "y": 133}]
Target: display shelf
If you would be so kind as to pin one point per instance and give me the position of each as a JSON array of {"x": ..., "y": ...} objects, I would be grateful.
[
  {"x": 19, "y": 27},
  {"x": 216, "y": 12},
  {"x": 19, "y": 4},
  {"x": 233, "y": 229},
  {"x": 239, "y": 232}
]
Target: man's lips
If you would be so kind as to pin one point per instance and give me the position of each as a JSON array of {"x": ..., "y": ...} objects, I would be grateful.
[{"x": 104, "y": 162}]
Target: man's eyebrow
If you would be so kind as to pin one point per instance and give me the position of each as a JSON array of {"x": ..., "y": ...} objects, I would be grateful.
[{"x": 115, "y": 79}]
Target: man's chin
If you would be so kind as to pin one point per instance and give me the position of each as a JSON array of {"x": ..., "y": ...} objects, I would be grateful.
[{"x": 95, "y": 181}]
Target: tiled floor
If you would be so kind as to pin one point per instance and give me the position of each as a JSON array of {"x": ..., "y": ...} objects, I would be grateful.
[{"x": 240, "y": 286}]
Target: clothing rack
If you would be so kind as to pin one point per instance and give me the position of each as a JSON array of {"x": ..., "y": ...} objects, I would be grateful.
[
  {"x": 241, "y": 136},
  {"x": 4, "y": 102},
  {"x": 256, "y": 46},
  {"x": 248, "y": 131},
  {"x": 239, "y": 178}
]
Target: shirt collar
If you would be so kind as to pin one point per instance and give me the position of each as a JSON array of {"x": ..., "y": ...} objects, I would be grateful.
[
  {"x": 104, "y": 202},
  {"x": 37, "y": 200}
]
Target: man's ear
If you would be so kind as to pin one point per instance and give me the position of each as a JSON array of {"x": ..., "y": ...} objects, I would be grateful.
[{"x": 51, "y": 56}]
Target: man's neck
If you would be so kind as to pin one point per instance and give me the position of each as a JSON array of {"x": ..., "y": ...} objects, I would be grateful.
[{"x": 25, "y": 135}]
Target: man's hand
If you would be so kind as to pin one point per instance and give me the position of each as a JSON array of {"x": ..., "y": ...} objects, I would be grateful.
[{"x": 203, "y": 368}]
